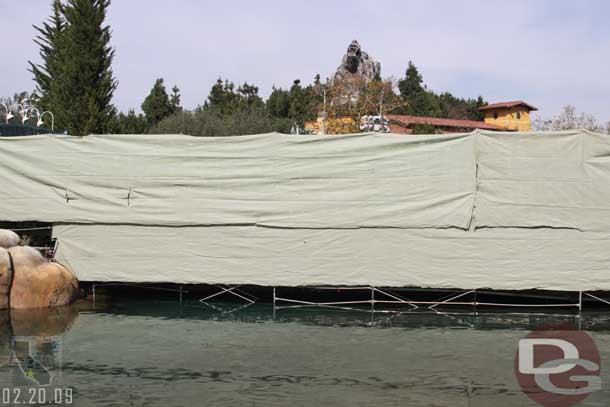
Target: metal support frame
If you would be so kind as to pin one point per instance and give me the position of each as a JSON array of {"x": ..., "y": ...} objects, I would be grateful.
[
  {"x": 378, "y": 295},
  {"x": 448, "y": 300},
  {"x": 395, "y": 298},
  {"x": 233, "y": 290},
  {"x": 595, "y": 298}
]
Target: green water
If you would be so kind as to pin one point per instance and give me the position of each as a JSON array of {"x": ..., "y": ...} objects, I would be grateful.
[{"x": 161, "y": 353}]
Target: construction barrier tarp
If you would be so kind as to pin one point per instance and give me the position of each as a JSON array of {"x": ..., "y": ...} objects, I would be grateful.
[{"x": 475, "y": 210}]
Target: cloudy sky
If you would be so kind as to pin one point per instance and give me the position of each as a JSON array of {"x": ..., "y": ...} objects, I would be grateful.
[{"x": 549, "y": 53}]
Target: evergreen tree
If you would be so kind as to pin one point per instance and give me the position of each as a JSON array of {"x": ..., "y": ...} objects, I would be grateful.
[
  {"x": 175, "y": 99},
  {"x": 217, "y": 95},
  {"x": 278, "y": 103},
  {"x": 249, "y": 97},
  {"x": 210, "y": 123},
  {"x": 223, "y": 97},
  {"x": 301, "y": 107},
  {"x": 130, "y": 123},
  {"x": 226, "y": 100},
  {"x": 76, "y": 78},
  {"x": 418, "y": 100},
  {"x": 458, "y": 108},
  {"x": 48, "y": 39},
  {"x": 299, "y": 104},
  {"x": 412, "y": 84},
  {"x": 157, "y": 105}
]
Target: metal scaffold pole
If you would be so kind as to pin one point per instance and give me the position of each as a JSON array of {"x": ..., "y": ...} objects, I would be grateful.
[
  {"x": 579, "y": 310},
  {"x": 475, "y": 302},
  {"x": 274, "y": 297}
]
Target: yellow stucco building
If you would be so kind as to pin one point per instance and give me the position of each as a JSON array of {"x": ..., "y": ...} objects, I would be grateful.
[
  {"x": 339, "y": 125},
  {"x": 509, "y": 115}
]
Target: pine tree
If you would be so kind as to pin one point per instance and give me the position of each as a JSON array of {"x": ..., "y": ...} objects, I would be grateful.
[
  {"x": 224, "y": 99},
  {"x": 300, "y": 109},
  {"x": 217, "y": 95},
  {"x": 412, "y": 83},
  {"x": 157, "y": 105},
  {"x": 130, "y": 123},
  {"x": 48, "y": 39},
  {"x": 249, "y": 97},
  {"x": 278, "y": 103},
  {"x": 78, "y": 63},
  {"x": 175, "y": 99},
  {"x": 418, "y": 99}
]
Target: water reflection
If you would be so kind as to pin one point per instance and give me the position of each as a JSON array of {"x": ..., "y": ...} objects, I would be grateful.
[
  {"x": 163, "y": 353},
  {"x": 31, "y": 345},
  {"x": 353, "y": 317}
]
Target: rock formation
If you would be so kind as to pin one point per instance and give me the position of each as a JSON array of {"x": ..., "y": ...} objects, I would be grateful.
[
  {"x": 46, "y": 285},
  {"x": 8, "y": 238},
  {"x": 26, "y": 256},
  {"x": 36, "y": 282},
  {"x": 358, "y": 62}
]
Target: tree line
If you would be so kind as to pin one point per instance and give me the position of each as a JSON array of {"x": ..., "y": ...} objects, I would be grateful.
[{"x": 75, "y": 81}]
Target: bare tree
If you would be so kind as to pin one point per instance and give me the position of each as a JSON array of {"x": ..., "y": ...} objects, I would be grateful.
[
  {"x": 356, "y": 96},
  {"x": 570, "y": 119}
]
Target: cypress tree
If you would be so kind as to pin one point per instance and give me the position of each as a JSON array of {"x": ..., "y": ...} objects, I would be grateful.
[
  {"x": 80, "y": 84},
  {"x": 48, "y": 39},
  {"x": 157, "y": 105}
]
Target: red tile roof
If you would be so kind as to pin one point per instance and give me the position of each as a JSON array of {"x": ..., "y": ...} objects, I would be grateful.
[
  {"x": 406, "y": 121},
  {"x": 507, "y": 105}
]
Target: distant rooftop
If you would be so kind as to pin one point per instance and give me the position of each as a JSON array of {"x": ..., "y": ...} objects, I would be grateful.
[
  {"x": 403, "y": 120},
  {"x": 508, "y": 105}
]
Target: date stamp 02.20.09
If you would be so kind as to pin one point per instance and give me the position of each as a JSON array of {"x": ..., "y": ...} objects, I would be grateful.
[{"x": 36, "y": 396}]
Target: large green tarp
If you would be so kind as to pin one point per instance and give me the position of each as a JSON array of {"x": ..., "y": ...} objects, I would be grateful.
[{"x": 481, "y": 209}]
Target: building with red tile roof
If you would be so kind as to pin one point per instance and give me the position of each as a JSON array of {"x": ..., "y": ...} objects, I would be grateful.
[
  {"x": 405, "y": 124},
  {"x": 513, "y": 115}
]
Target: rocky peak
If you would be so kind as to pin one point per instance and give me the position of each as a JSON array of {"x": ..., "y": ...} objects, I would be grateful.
[{"x": 357, "y": 62}]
